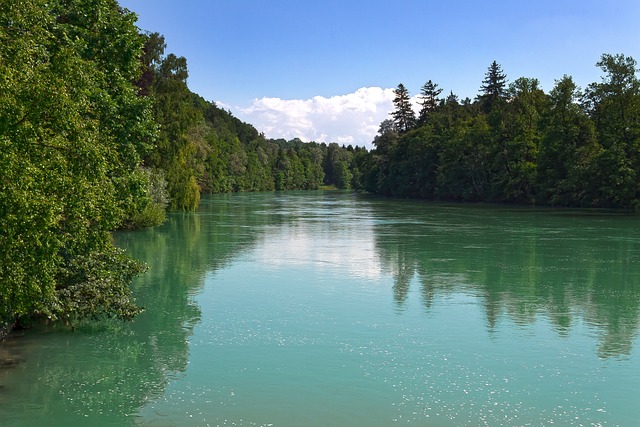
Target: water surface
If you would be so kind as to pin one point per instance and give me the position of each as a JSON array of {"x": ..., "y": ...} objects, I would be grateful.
[{"x": 334, "y": 309}]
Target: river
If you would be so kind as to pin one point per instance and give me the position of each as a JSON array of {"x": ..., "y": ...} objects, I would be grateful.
[{"x": 340, "y": 309}]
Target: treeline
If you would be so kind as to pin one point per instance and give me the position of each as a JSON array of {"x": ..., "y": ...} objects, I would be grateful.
[
  {"x": 203, "y": 149},
  {"x": 515, "y": 143}
]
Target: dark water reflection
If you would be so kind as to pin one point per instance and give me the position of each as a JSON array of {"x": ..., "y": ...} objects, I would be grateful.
[{"x": 523, "y": 263}]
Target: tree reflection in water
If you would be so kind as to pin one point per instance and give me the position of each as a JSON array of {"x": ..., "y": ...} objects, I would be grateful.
[{"x": 523, "y": 263}]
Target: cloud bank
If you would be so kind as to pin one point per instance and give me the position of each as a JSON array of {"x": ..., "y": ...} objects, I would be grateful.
[{"x": 353, "y": 118}]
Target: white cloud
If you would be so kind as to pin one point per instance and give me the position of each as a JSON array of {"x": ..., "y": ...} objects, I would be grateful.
[{"x": 353, "y": 118}]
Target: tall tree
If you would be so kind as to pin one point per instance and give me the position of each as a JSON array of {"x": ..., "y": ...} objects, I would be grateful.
[
  {"x": 519, "y": 149},
  {"x": 404, "y": 118},
  {"x": 568, "y": 151},
  {"x": 340, "y": 160},
  {"x": 614, "y": 105},
  {"x": 177, "y": 113},
  {"x": 494, "y": 87},
  {"x": 428, "y": 100},
  {"x": 386, "y": 142},
  {"x": 152, "y": 53}
]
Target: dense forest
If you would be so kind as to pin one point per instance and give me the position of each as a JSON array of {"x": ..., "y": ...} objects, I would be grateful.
[
  {"x": 516, "y": 144},
  {"x": 204, "y": 149},
  {"x": 100, "y": 131}
]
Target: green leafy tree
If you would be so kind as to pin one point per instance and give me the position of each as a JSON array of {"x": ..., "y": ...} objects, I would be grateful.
[
  {"x": 614, "y": 103},
  {"x": 465, "y": 162},
  {"x": 516, "y": 175},
  {"x": 177, "y": 114},
  {"x": 338, "y": 166},
  {"x": 614, "y": 106},
  {"x": 413, "y": 166},
  {"x": 342, "y": 175},
  {"x": 568, "y": 150},
  {"x": 72, "y": 130},
  {"x": 386, "y": 142}
]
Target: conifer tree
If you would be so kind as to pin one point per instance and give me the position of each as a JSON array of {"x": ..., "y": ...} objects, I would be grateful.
[
  {"x": 404, "y": 118},
  {"x": 428, "y": 100},
  {"x": 494, "y": 87}
]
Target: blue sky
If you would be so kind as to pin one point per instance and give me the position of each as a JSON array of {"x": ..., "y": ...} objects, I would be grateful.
[{"x": 325, "y": 70}]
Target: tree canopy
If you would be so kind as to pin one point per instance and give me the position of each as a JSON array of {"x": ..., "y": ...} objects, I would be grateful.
[
  {"x": 517, "y": 144},
  {"x": 72, "y": 132}
]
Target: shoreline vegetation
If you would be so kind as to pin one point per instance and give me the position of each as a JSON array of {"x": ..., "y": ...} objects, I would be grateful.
[{"x": 99, "y": 131}]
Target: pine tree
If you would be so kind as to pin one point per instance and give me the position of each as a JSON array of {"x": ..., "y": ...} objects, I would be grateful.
[
  {"x": 494, "y": 87},
  {"x": 429, "y": 100},
  {"x": 404, "y": 117}
]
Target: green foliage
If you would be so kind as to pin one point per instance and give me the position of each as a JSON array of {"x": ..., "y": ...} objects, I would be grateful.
[
  {"x": 152, "y": 207},
  {"x": 568, "y": 150},
  {"x": 72, "y": 129},
  {"x": 337, "y": 164},
  {"x": 614, "y": 106},
  {"x": 95, "y": 286},
  {"x": 465, "y": 161},
  {"x": 517, "y": 144}
]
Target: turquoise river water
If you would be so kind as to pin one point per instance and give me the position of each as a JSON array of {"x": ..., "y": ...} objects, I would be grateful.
[{"x": 338, "y": 309}]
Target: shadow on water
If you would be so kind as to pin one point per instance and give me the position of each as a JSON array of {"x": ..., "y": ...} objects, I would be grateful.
[{"x": 523, "y": 263}]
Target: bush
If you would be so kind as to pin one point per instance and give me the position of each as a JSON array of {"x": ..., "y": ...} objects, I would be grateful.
[{"x": 96, "y": 287}]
